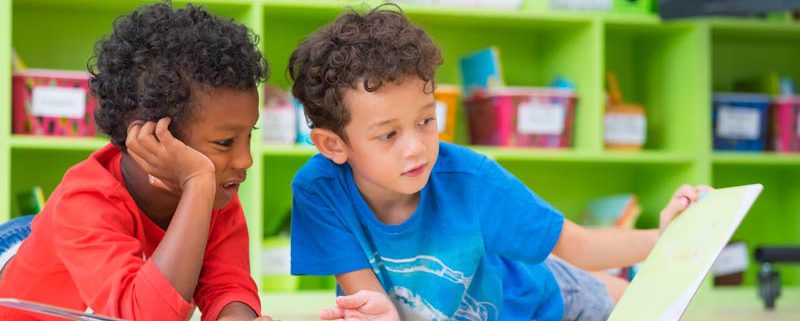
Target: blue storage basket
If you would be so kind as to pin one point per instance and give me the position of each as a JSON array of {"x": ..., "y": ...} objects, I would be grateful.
[{"x": 740, "y": 121}]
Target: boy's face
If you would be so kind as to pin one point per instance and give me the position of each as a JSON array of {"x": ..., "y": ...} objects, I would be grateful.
[
  {"x": 220, "y": 129},
  {"x": 393, "y": 138}
]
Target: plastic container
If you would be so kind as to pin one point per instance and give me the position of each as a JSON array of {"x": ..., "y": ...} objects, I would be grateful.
[
  {"x": 278, "y": 117},
  {"x": 53, "y": 103},
  {"x": 625, "y": 127},
  {"x": 447, "y": 98},
  {"x": 740, "y": 121},
  {"x": 529, "y": 117},
  {"x": 302, "y": 129},
  {"x": 786, "y": 124}
]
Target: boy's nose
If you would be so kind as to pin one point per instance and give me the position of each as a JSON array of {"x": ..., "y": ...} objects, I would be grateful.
[
  {"x": 414, "y": 146},
  {"x": 243, "y": 159}
]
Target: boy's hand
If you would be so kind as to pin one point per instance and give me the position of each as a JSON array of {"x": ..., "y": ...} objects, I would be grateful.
[
  {"x": 170, "y": 163},
  {"x": 684, "y": 196},
  {"x": 364, "y": 305}
]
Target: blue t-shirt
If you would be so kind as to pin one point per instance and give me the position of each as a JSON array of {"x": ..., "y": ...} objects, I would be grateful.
[{"x": 472, "y": 250}]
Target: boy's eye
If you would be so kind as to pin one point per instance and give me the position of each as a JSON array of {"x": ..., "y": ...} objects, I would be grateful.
[
  {"x": 388, "y": 136},
  {"x": 426, "y": 121},
  {"x": 225, "y": 143}
]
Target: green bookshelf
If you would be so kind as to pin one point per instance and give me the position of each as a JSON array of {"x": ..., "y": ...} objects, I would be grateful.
[
  {"x": 670, "y": 68},
  {"x": 5, "y": 109}
]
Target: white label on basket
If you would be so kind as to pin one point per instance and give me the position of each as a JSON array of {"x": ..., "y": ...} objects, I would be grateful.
[
  {"x": 594, "y": 5},
  {"x": 738, "y": 123},
  {"x": 625, "y": 129},
  {"x": 279, "y": 125},
  {"x": 276, "y": 261},
  {"x": 732, "y": 259},
  {"x": 797, "y": 125},
  {"x": 61, "y": 102},
  {"x": 538, "y": 119},
  {"x": 302, "y": 124},
  {"x": 441, "y": 116}
]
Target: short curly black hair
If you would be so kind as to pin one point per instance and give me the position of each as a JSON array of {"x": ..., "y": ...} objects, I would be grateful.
[
  {"x": 375, "y": 47},
  {"x": 156, "y": 57}
]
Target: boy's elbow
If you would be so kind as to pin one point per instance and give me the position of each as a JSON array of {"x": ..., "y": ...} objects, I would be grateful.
[{"x": 571, "y": 243}]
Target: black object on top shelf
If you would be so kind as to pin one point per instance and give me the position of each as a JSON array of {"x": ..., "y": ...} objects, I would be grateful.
[
  {"x": 671, "y": 9},
  {"x": 778, "y": 254},
  {"x": 769, "y": 280}
]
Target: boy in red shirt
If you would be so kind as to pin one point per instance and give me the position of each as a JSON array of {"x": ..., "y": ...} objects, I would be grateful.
[{"x": 150, "y": 225}]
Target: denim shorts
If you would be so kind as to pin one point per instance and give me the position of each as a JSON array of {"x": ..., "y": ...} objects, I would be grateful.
[{"x": 585, "y": 296}]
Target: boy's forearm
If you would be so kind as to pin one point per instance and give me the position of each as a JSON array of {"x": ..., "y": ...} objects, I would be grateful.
[
  {"x": 179, "y": 256},
  {"x": 236, "y": 311},
  {"x": 355, "y": 281},
  {"x": 600, "y": 249}
]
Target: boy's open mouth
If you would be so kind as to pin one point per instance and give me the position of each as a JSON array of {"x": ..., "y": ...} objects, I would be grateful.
[{"x": 232, "y": 186}]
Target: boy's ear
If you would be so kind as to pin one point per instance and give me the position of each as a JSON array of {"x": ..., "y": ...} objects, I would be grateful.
[{"x": 329, "y": 144}]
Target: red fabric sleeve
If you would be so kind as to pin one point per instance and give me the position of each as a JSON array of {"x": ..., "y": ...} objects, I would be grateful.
[
  {"x": 225, "y": 277},
  {"x": 94, "y": 240}
]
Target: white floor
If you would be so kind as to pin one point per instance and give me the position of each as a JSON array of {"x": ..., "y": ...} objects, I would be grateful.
[{"x": 713, "y": 305}]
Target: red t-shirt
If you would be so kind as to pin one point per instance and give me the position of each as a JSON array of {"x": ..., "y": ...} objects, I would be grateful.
[{"x": 90, "y": 247}]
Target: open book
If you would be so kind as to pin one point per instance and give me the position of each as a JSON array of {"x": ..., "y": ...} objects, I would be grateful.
[
  {"x": 53, "y": 311},
  {"x": 683, "y": 256}
]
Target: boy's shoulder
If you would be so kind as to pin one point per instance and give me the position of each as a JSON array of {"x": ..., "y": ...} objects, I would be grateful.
[
  {"x": 458, "y": 159},
  {"x": 315, "y": 169},
  {"x": 93, "y": 173}
]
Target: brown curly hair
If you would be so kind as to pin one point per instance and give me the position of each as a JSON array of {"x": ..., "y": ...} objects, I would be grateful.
[{"x": 373, "y": 47}]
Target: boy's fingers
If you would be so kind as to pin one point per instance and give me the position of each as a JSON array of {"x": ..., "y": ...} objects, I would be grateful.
[
  {"x": 333, "y": 313},
  {"x": 147, "y": 130},
  {"x": 133, "y": 134},
  {"x": 688, "y": 192},
  {"x": 143, "y": 162},
  {"x": 162, "y": 130},
  {"x": 147, "y": 140},
  {"x": 352, "y": 315},
  {"x": 704, "y": 188},
  {"x": 353, "y": 301},
  {"x": 158, "y": 183},
  {"x": 678, "y": 203},
  {"x": 135, "y": 123}
]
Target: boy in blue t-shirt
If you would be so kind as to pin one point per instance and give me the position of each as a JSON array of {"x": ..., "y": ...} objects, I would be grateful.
[{"x": 441, "y": 232}]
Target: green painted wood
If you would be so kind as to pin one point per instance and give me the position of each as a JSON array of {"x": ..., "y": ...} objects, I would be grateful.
[
  {"x": 5, "y": 108},
  {"x": 250, "y": 195},
  {"x": 670, "y": 68}
]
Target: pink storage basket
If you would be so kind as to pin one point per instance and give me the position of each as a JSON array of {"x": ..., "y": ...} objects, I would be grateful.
[
  {"x": 523, "y": 117},
  {"x": 54, "y": 103},
  {"x": 786, "y": 124}
]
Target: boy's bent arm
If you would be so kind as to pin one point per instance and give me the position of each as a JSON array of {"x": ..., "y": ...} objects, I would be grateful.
[
  {"x": 106, "y": 262},
  {"x": 603, "y": 248},
  {"x": 365, "y": 299},
  {"x": 598, "y": 249},
  {"x": 225, "y": 278},
  {"x": 238, "y": 311},
  {"x": 364, "y": 279},
  {"x": 180, "y": 254}
]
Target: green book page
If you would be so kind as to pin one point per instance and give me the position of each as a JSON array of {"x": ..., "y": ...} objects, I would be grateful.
[{"x": 683, "y": 256}]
